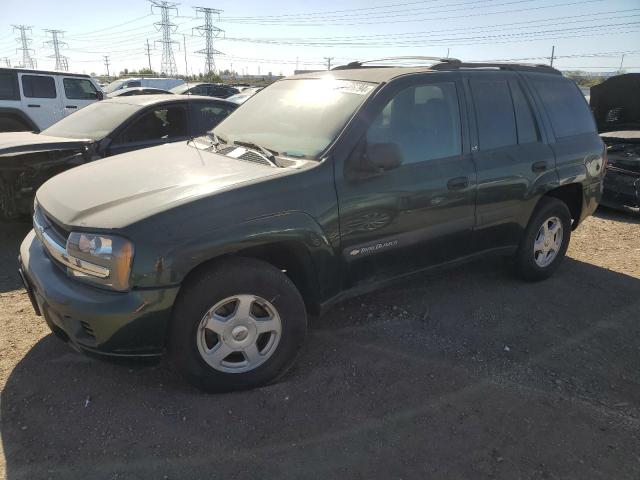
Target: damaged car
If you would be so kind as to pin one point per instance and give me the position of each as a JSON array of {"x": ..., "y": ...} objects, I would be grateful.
[
  {"x": 99, "y": 130},
  {"x": 616, "y": 107}
]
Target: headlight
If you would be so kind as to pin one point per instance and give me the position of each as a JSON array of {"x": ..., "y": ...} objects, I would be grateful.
[{"x": 101, "y": 259}]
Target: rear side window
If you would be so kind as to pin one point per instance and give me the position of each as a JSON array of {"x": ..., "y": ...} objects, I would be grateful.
[
  {"x": 208, "y": 115},
  {"x": 38, "y": 86},
  {"x": 135, "y": 83},
  {"x": 566, "y": 106},
  {"x": 79, "y": 89},
  {"x": 525, "y": 121},
  {"x": 494, "y": 113},
  {"x": 9, "y": 86}
]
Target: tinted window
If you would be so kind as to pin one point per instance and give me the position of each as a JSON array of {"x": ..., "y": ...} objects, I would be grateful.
[
  {"x": 9, "y": 86},
  {"x": 79, "y": 89},
  {"x": 494, "y": 113},
  {"x": 38, "y": 86},
  {"x": 423, "y": 121},
  {"x": 566, "y": 106},
  {"x": 158, "y": 124},
  {"x": 525, "y": 121},
  {"x": 208, "y": 115},
  {"x": 135, "y": 83}
]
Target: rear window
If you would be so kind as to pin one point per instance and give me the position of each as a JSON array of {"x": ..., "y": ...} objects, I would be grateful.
[
  {"x": 38, "y": 86},
  {"x": 9, "y": 86},
  {"x": 566, "y": 106},
  {"x": 494, "y": 113}
]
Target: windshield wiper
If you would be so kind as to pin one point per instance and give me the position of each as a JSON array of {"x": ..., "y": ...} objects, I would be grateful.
[
  {"x": 267, "y": 153},
  {"x": 215, "y": 140}
]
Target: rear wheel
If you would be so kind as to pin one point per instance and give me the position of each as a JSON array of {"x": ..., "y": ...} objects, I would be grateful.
[
  {"x": 545, "y": 241},
  {"x": 237, "y": 325}
]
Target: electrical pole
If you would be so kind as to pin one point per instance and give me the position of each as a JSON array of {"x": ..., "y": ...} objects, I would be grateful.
[
  {"x": 328, "y": 59},
  {"x": 7, "y": 61},
  {"x": 106, "y": 64},
  {"x": 184, "y": 43},
  {"x": 621, "y": 62},
  {"x": 27, "y": 59},
  {"x": 553, "y": 52},
  {"x": 210, "y": 32},
  {"x": 62, "y": 63},
  {"x": 149, "y": 55},
  {"x": 168, "y": 65}
]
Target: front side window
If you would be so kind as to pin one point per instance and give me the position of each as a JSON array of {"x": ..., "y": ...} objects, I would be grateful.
[
  {"x": 9, "y": 86},
  {"x": 79, "y": 89},
  {"x": 207, "y": 115},
  {"x": 38, "y": 86},
  {"x": 566, "y": 106},
  {"x": 494, "y": 114},
  {"x": 423, "y": 121},
  {"x": 160, "y": 123}
]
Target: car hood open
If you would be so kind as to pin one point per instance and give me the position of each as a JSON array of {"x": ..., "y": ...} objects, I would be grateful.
[
  {"x": 616, "y": 103},
  {"x": 121, "y": 190},
  {"x": 18, "y": 143}
]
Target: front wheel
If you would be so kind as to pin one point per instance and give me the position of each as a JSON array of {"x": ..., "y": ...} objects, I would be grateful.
[
  {"x": 545, "y": 240},
  {"x": 237, "y": 325}
]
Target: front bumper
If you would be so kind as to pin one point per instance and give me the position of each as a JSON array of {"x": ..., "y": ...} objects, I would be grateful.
[
  {"x": 621, "y": 189},
  {"x": 116, "y": 324}
]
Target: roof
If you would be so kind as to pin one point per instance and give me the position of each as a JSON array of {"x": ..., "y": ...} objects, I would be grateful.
[
  {"x": 44, "y": 72},
  {"x": 146, "y": 100}
]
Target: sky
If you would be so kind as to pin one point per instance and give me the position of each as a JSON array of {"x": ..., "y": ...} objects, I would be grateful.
[{"x": 276, "y": 36}]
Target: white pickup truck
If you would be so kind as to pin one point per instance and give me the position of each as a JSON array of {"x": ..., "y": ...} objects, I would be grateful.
[{"x": 33, "y": 100}]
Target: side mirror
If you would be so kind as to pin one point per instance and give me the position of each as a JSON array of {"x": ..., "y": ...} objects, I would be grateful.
[
  {"x": 385, "y": 156},
  {"x": 99, "y": 95}
]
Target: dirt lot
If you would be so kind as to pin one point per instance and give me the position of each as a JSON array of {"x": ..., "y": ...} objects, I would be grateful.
[{"x": 463, "y": 374}]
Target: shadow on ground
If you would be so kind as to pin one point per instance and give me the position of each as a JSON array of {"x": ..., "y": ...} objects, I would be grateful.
[
  {"x": 11, "y": 236},
  {"x": 464, "y": 374}
]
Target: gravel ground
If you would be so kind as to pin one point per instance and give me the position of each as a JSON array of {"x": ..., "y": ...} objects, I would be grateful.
[{"x": 462, "y": 374}]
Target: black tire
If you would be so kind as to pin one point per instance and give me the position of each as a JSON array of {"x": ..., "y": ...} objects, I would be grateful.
[
  {"x": 524, "y": 262},
  {"x": 225, "y": 279}
]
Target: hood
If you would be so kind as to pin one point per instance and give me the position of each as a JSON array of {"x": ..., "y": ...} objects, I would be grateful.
[
  {"x": 616, "y": 103},
  {"x": 18, "y": 143},
  {"x": 121, "y": 190}
]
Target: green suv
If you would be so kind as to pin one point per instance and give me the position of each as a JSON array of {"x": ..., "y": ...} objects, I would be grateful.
[{"x": 321, "y": 186}]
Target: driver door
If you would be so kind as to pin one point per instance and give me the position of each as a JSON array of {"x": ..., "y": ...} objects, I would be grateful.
[{"x": 407, "y": 191}]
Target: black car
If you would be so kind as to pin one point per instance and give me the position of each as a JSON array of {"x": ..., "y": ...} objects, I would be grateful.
[
  {"x": 99, "y": 130},
  {"x": 218, "y": 90},
  {"x": 321, "y": 187},
  {"x": 616, "y": 106}
]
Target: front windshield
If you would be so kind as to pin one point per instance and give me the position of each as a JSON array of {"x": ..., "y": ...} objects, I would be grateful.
[
  {"x": 297, "y": 117},
  {"x": 113, "y": 86},
  {"x": 94, "y": 121}
]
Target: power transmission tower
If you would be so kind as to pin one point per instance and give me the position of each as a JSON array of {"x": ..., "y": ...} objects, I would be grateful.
[
  {"x": 149, "y": 55},
  {"x": 210, "y": 32},
  {"x": 106, "y": 64},
  {"x": 168, "y": 65},
  {"x": 62, "y": 62},
  {"x": 27, "y": 59},
  {"x": 328, "y": 59}
]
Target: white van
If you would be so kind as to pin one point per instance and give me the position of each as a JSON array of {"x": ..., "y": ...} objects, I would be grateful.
[
  {"x": 33, "y": 100},
  {"x": 162, "y": 83}
]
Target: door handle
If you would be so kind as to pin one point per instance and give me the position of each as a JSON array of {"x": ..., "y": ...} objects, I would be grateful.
[
  {"x": 31, "y": 105},
  {"x": 539, "y": 167},
  {"x": 71, "y": 106},
  {"x": 458, "y": 183}
]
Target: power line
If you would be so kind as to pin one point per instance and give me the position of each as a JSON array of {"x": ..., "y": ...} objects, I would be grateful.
[
  {"x": 210, "y": 32},
  {"x": 168, "y": 65},
  {"x": 62, "y": 62},
  {"x": 27, "y": 59}
]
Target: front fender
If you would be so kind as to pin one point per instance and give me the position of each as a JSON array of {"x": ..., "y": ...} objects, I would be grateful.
[{"x": 171, "y": 267}]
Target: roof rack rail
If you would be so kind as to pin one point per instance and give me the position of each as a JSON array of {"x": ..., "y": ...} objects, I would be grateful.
[
  {"x": 526, "y": 67},
  {"x": 361, "y": 63}
]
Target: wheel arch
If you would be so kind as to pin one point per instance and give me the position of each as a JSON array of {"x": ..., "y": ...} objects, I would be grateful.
[
  {"x": 572, "y": 196},
  {"x": 20, "y": 116}
]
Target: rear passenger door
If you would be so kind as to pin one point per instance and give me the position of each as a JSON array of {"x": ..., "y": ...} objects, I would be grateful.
[
  {"x": 78, "y": 93},
  {"x": 511, "y": 154},
  {"x": 41, "y": 99},
  {"x": 154, "y": 126},
  {"x": 206, "y": 115}
]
